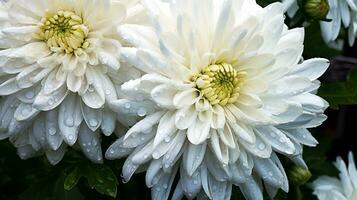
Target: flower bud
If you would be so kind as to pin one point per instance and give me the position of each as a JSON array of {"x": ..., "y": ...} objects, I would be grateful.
[
  {"x": 316, "y": 9},
  {"x": 298, "y": 176}
]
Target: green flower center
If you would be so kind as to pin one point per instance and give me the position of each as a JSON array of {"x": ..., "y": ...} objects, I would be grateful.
[
  {"x": 63, "y": 30},
  {"x": 220, "y": 83}
]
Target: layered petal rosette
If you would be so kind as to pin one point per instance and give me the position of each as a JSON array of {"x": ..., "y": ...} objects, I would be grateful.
[
  {"x": 59, "y": 65},
  {"x": 344, "y": 188},
  {"x": 224, "y": 92},
  {"x": 341, "y": 14}
]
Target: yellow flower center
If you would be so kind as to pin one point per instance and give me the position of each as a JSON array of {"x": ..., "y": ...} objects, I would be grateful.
[
  {"x": 63, "y": 31},
  {"x": 220, "y": 83}
]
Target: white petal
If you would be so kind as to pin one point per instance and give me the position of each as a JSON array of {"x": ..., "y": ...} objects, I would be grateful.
[
  {"x": 165, "y": 128},
  {"x": 90, "y": 143},
  {"x": 69, "y": 119},
  {"x": 93, "y": 117},
  {"x": 193, "y": 156},
  {"x": 198, "y": 132}
]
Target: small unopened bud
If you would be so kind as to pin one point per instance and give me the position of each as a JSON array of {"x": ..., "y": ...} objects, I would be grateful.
[
  {"x": 298, "y": 176},
  {"x": 316, "y": 9}
]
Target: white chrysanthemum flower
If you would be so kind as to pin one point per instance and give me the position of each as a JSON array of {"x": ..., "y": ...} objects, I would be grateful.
[
  {"x": 342, "y": 12},
  {"x": 224, "y": 92},
  {"x": 328, "y": 188},
  {"x": 58, "y": 68}
]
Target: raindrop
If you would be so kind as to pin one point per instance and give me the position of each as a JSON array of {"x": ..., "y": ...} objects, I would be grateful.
[
  {"x": 165, "y": 186},
  {"x": 261, "y": 146},
  {"x": 25, "y": 111},
  {"x": 51, "y": 102},
  {"x": 141, "y": 112},
  {"x": 91, "y": 88},
  {"x": 111, "y": 151},
  {"x": 52, "y": 131},
  {"x": 270, "y": 173},
  {"x": 282, "y": 140},
  {"x": 30, "y": 95},
  {"x": 108, "y": 92},
  {"x": 127, "y": 105},
  {"x": 272, "y": 134},
  {"x": 93, "y": 122},
  {"x": 167, "y": 139},
  {"x": 71, "y": 137},
  {"x": 70, "y": 121}
]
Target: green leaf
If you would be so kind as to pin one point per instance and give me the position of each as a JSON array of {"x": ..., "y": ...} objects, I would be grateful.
[
  {"x": 72, "y": 179},
  {"x": 341, "y": 93},
  {"x": 101, "y": 178}
]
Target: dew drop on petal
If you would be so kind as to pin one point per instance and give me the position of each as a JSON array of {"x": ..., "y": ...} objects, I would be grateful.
[
  {"x": 71, "y": 137},
  {"x": 29, "y": 95},
  {"x": 93, "y": 122},
  {"x": 127, "y": 105},
  {"x": 261, "y": 146},
  {"x": 167, "y": 139},
  {"x": 51, "y": 102},
  {"x": 70, "y": 121},
  {"x": 52, "y": 131},
  {"x": 141, "y": 112},
  {"x": 91, "y": 88}
]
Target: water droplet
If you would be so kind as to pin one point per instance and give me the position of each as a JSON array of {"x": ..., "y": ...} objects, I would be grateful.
[
  {"x": 108, "y": 92},
  {"x": 127, "y": 105},
  {"x": 141, "y": 112},
  {"x": 51, "y": 102},
  {"x": 282, "y": 140},
  {"x": 270, "y": 173},
  {"x": 52, "y": 131},
  {"x": 71, "y": 137},
  {"x": 261, "y": 146},
  {"x": 272, "y": 134},
  {"x": 70, "y": 121},
  {"x": 91, "y": 88},
  {"x": 195, "y": 182},
  {"x": 167, "y": 139},
  {"x": 165, "y": 186},
  {"x": 142, "y": 138},
  {"x": 26, "y": 110},
  {"x": 93, "y": 122},
  {"x": 29, "y": 95},
  {"x": 111, "y": 151}
]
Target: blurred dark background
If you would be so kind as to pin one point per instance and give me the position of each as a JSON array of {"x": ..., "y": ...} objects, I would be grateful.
[{"x": 35, "y": 179}]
